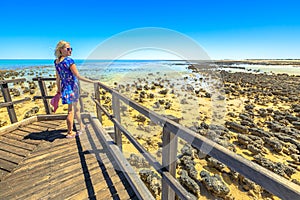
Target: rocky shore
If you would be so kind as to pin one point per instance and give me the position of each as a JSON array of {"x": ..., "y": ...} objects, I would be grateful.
[
  {"x": 255, "y": 115},
  {"x": 294, "y": 62},
  {"x": 261, "y": 123}
]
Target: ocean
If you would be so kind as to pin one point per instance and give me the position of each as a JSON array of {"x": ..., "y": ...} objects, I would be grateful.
[
  {"x": 98, "y": 69},
  {"x": 106, "y": 70}
]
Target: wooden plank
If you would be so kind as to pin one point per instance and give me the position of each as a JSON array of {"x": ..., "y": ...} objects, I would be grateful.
[
  {"x": 49, "y": 148},
  {"x": 39, "y": 127},
  {"x": 45, "y": 125},
  {"x": 30, "y": 130},
  {"x": 52, "y": 122},
  {"x": 10, "y": 157},
  {"x": 9, "y": 128},
  {"x": 58, "y": 146},
  {"x": 17, "y": 143},
  {"x": 21, "y": 132},
  {"x": 51, "y": 117},
  {"x": 13, "y": 149},
  {"x": 21, "y": 138},
  {"x": 34, "y": 162},
  {"x": 3, "y": 173},
  {"x": 6, "y": 165},
  {"x": 14, "y": 136}
]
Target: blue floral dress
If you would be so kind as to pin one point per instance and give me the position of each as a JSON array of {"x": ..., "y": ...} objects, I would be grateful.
[{"x": 69, "y": 82}]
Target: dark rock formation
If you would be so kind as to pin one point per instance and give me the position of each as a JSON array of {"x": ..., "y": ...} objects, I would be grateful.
[
  {"x": 214, "y": 183},
  {"x": 138, "y": 162},
  {"x": 152, "y": 181},
  {"x": 277, "y": 167},
  {"x": 189, "y": 183}
]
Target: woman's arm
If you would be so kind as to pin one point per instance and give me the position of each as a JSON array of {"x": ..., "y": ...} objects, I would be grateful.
[
  {"x": 76, "y": 73},
  {"x": 57, "y": 82}
]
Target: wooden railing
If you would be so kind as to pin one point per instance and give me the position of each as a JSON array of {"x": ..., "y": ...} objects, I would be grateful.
[
  {"x": 270, "y": 181},
  {"x": 8, "y": 103},
  {"x": 44, "y": 94}
]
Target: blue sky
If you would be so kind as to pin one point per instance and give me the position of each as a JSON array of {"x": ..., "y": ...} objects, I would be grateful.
[{"x": 225, "y": 29}]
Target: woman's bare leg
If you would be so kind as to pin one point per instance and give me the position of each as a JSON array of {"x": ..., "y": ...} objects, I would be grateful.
[
  {"x": 77, "y": 115},
  {"x": 70, "y": 118}
]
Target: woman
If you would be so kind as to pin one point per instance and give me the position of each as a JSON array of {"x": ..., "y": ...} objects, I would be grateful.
[{"x": 67, "y": 77}]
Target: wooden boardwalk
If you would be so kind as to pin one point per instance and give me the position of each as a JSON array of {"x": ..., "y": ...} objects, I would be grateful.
[{"x": 38, "y": 162}]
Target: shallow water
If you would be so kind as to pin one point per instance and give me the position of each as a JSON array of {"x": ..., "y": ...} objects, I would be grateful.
[
  {"x": 106, "y": 69},
  {"x": 287, "y": 69}
]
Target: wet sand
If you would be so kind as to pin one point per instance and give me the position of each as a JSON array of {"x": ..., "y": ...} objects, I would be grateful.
[{"x": 257, "y": 116}]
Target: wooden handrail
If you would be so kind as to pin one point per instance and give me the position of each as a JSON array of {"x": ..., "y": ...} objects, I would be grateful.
[
  {"x": 8, "y": 103},
  {"x": 12, "y": 80},
  {"x": 270, "y": 181},
  {"x": 43, "y": 79}
]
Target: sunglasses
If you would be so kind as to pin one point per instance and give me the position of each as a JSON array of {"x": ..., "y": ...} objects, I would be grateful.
[{"x": 69, "y": 49}]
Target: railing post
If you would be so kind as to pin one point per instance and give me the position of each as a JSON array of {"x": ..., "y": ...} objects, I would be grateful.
[
  {"x": 80, "y": 99},
  {"x": 7, "y": 98},
  {"x": 44, "y": 94},
  {"x": 116, "y": 113},
  {"x": 97, "y": 97},
  {"x": 169, "y": 158}
]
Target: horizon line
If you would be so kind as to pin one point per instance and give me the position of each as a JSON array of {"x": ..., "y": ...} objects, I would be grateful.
[{"x": 153, "y": 59}]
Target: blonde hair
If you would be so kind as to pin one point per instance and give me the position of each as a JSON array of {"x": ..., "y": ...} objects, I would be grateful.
[{"x": 61, "y": 44}]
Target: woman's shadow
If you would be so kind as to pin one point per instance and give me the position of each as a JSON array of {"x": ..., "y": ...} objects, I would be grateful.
[{"x": 47, "y": 135}]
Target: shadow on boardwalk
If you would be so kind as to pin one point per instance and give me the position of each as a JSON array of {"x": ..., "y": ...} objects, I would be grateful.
[{"x": 49, "y": 136}]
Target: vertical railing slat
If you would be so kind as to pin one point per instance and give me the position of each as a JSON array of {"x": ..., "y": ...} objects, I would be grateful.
[
  {"x": 80, "y": 99},
  {"x": 44, "y": 94},
  {"x": 169, "y": 158},
  {"x": 97, "y": 97},
  {"x": 116, "y": 113},
  {"x": 7, "y": 98}
]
